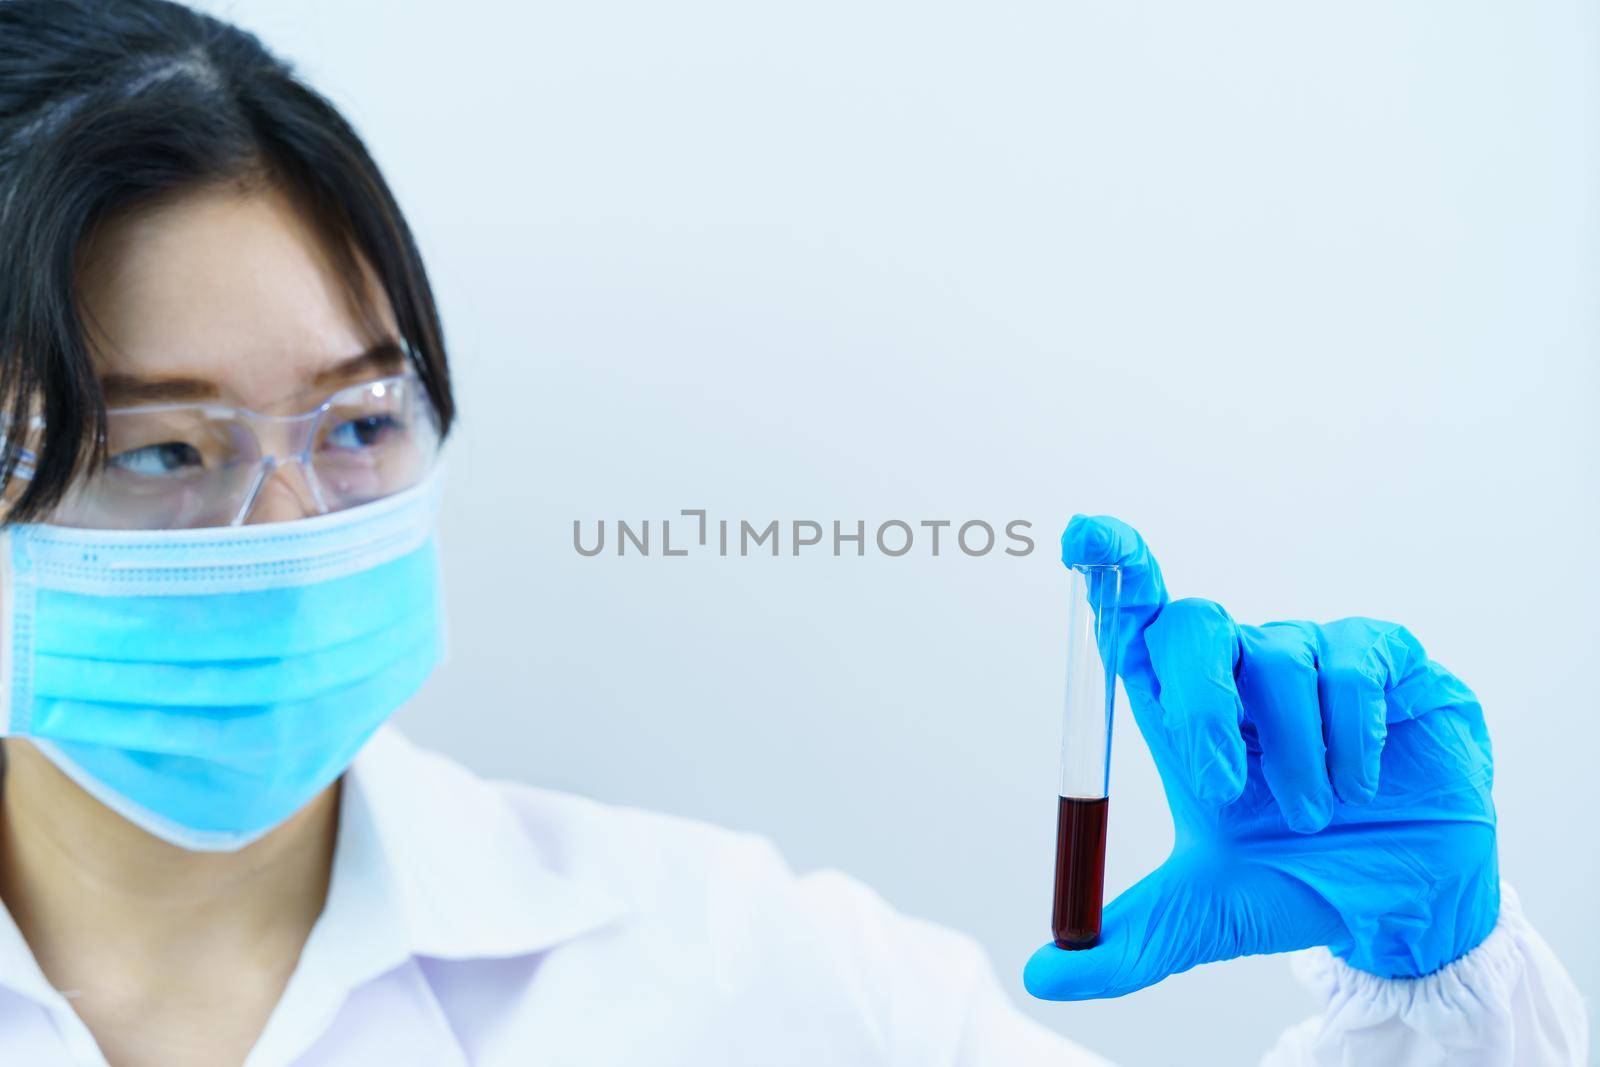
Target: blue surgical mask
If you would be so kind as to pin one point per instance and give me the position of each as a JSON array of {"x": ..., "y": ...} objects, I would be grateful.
[{"x": 206, "y": 684}]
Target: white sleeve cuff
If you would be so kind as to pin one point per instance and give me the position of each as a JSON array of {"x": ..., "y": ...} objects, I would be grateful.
[{"x": 1507, "y": 1003}]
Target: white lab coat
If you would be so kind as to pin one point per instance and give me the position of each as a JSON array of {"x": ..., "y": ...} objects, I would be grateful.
[{"x": 503, "y": 926}]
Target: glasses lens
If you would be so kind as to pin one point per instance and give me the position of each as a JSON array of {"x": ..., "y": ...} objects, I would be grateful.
[
  {"x": 190, "y": 466},
  {"x": 374, "y": 440},
  {"x": 166, "y": 469}
]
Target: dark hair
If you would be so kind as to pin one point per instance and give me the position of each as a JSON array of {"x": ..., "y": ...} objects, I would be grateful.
[{"x": 108, "y": 104}]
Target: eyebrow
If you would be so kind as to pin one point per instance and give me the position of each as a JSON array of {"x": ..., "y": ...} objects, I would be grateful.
[
  {"x": 383, "y": 358},
  {"x": 121, "y": 390}
]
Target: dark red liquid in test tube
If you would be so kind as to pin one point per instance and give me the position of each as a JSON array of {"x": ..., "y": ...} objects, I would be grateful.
[{"x": 1080, "y": 872}]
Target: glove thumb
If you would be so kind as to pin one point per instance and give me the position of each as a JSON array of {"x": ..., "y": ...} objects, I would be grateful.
[
  {"x": 1146, "y": 934},
  {"x": 1184, "y": 913}
]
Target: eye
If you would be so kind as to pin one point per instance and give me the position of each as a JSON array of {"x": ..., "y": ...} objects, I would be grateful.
[
  {"x": 365, "y": 432},
  {"x": 161, "y": 460}
]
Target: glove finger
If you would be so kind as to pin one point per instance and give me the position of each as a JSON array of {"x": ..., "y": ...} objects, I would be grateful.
[
  {"x": 1193, "y": 646},
  {"x": 1278, "y": 681},
  {"x": 1415, "y": 685},
  {"x": 1102, "y": 540},
  {"x": 1355, "y": 667}
]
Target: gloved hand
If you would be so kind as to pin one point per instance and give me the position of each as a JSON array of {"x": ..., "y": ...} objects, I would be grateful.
[{"x": 1329, "y": 785}]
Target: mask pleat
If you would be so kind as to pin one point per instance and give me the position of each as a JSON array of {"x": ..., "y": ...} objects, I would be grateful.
[
  {"x": 206, "y": 684},
  {"x": 237, "y": 627}
]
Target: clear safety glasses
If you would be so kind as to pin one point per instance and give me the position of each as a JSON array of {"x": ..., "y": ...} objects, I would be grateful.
[{"x": 181, "y": 466}]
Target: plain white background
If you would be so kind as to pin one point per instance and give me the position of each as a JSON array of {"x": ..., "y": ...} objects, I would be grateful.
[{"x": 1306, "y": 292}]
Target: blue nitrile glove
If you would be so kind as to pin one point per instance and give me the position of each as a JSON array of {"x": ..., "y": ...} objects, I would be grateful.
[{"x": 1329, "y": 785}]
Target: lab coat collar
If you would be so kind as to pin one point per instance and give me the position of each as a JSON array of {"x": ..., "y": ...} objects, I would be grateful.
[
  {"x": 431, "y": 862},
  {"x": 456, "y": 868}
]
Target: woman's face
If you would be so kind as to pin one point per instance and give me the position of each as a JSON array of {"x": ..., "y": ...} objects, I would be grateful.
[{"x": 228, "y": 295}]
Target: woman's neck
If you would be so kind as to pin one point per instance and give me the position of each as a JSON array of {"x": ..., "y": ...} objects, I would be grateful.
[{"x": 133, "y": 925}]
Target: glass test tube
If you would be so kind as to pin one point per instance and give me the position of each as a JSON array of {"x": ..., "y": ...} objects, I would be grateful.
[{"x": 1091, "y": 685}]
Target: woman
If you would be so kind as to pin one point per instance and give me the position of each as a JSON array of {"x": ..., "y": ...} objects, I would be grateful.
[{"x": 225, "y": 388}]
